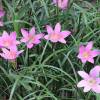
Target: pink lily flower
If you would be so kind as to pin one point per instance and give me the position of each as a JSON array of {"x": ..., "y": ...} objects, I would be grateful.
[
  {"x": 90, "y": 81},
  {"x": 9, "y": 41},
  {"x": 56, "y": 35},
  {"x": 30, "y": 38},
  {"x": 2, "y": 13},
  {"x": 62, "y": 4},
  {"x": 11, "y": 54},
  {"x": 87, "y": 54}
]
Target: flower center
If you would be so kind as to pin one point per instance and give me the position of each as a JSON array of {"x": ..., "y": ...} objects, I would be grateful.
[
  {"x": 7, "y": 43},
  {"x": 92, "y": 82},
  {"x": 12, "y": 54},
  {"x": 31, "y": 38},
  {"x": 54, "y": 36},
  {"x": 85, "y": 54}
]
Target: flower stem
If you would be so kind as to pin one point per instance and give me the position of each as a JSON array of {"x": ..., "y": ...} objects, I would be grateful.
[
  {"x": 97, "y": 96},
  {"x": 43, "y": 52},
  {"x": 13, "y": 64}
]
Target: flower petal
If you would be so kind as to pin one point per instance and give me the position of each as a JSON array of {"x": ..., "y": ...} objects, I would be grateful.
[
  {"x": 29, "y": 45},
  {"x": 91, "y": 60},
  {"x": 89, "y": 45},
  {"x": 39, "y": 36},
  {"x": 95, "y": 72},
  {"x": 79, "y": 56},
  {"x": 82, "y": 83},
  {"x": 83, "y": 60},
  {"x": 83, "y": 74},
  {"x": 98, "y": 80},
  {"x": 95, "y": 53},
  {"x": 55, "y": 1},
  {"x": 65, "y": 33},
  {"x": 13, "y": 47},
  {"x": 57, "y": 28},
  {"x": 62, "y": 41},
  {"x": 18, "y": 42},
  {"x": 19, "y": 52},
  {"x": 36, "y": 41},
  {"x": 87, "y": 88},
  {"x": 5, "y": 34},
  {"x": 3, "y": 55},
  {"x": 2, "y": 13},
  {"x": 5, "y": 51},
  {"x": 54, "y": 40},
  {"x": 32, "y": 31},
  {"x": 46, "y": 37},
  {"x": 96, "y": 88},
  {"x": 24, "y": 33},
  {"x": 81, "y": 49},
  {"x": 24, "y": 40},
  {"x": 13, "y": 35},
  {"x": 65, "y": 3},
  {"x": 49, "y": 29}
]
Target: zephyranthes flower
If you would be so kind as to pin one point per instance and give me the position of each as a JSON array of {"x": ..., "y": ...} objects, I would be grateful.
[
  {"x": 62, "y": 4},
  {"x": 56, "y": 35},
  {"x": 87, "y": 54},
  {"x": 9, "y": 41},
  {"x": 11, "y": 54},
  {"x": 90, "y": 81},
  {"x": 30, "y": 38}
]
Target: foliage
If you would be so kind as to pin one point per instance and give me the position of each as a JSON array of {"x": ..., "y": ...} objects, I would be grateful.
[{"x": 48, "y": 71}]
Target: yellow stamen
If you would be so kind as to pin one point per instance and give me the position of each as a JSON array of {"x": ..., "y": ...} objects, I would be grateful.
[
  {"x": 85, "y": 54},
  {"x": 92, "y": 81}
]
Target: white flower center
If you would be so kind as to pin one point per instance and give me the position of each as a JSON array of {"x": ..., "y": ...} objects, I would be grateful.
[
  {"x": 7, "y": 43},
  {"x": 54, "y": 36},
  {"x": 85, "y": 54},
  {"x": 91, "y": 82},
  {"x": 31, "y": 38}
]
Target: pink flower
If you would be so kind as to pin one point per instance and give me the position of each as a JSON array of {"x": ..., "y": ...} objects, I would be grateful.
[
  {"x": 90, "y": 81},
  {"x": 9, "y": 41},
  {"x": 30, "y": 38},
  {"x": 62, "y": 4},
  {"x": 2, "y": 13},
  {"x": 87, "y": 54},
  {"x": 11, "y": 54},
  {"x": 56, "y": 35}
]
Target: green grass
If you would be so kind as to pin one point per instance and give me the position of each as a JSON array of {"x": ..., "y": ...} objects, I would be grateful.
[{"x": 49, "y": 71}]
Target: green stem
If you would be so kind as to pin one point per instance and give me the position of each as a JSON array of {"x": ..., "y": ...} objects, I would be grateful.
[
  {"x": 13, "y": 63},
  {"x": 97, "y": 96},
  {"x": 43, "y": 52},
  {"x": 16, "y": 25},
  {"x": 26, "y": 62},
  {"x": 45, "y": 7}
]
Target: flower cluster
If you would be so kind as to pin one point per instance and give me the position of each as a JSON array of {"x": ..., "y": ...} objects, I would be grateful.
[
  {"x": 9, "y": 46},
  {"x": 90, "y": 81},
  {"x": 9, "y": 43}
]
